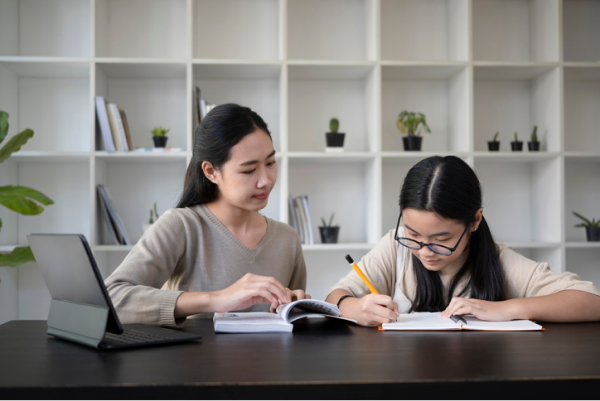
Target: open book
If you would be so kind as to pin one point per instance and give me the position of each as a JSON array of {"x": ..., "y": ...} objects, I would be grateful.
[
  {"x": 431, "y": 321},
  {"x": 281, "y": 321}
]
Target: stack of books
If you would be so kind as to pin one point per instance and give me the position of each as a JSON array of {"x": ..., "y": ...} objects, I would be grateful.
[
  {"x": 299, "y": 217},
  {"x": 113, "y": 125},
  {"x": 116, "y": 228}
]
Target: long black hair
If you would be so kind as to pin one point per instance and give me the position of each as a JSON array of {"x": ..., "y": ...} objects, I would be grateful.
[
  {"x": 220, "y": 130},
  {"x": 448, "y": 187}
]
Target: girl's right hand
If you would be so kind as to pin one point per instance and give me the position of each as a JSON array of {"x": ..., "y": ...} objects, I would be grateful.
[
  {"x": 247, "y": 291},
  {"x": 370, "y": 310}
]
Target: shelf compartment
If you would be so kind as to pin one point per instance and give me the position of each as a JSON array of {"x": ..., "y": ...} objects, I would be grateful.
[
  {"x": 447, "y": 32},
  {"x": 582, "y": 191},
  {"x": 134, "y": 186},
  {"x": 319, "y": 93},
  {"x": 580, "y": 24},
  {"x": 521, "y": 201},
  {"x": 514, "y": 99},
  {"x": 257, "y": 86},
  {"x": 344, "y": 188},
  {"x": 331, "y": 30},
  {"x": 517, "y": 30},
  {"x": 246, "y": 29},
  {"x": 141, "y": 28},
  {"x": 582, "y": 108},
  {"x": 52, "y": 99},
  {"x": 151, "y": 94},
  {"x": 549, "y": 254},
  {"x": 584, "y": 263},
  {"x": 52, "y": 28},
  {"x": 439, "y": 92}
]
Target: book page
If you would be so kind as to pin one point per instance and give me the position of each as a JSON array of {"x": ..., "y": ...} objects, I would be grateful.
[
  {"x": 421, "y": 321},
  {"x": 307, "y": 307},
  {"x": 514, "y": 325}
]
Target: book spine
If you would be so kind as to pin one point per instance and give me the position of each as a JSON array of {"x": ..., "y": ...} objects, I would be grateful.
[
  {"x": 126, "y": 126},
  {"x": 292, "y": 214},
  {"x": 104, "y": 211},
  {"x": 301, "y": 219},
  {"x": 114, "y": 127},
  {"x": 104, "y": 124},
  {"x": 306, "y": 206},
  {"x": 120, "y": 126}
]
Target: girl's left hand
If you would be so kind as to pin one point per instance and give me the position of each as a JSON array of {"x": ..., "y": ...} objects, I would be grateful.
[
  {"x": 484, "y": 310},
  {"x": 294, "y": 295}
]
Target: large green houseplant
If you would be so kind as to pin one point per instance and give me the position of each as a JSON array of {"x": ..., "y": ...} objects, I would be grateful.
[{"x": 19, "y": 199}]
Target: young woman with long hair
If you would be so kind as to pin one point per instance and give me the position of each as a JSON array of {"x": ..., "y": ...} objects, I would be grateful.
[
  {"x": 444, "y": 258},
  {"x": 214, "y": 252}
]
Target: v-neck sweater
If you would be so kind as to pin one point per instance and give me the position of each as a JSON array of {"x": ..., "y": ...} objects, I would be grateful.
[{"x": 189, "y": 249}]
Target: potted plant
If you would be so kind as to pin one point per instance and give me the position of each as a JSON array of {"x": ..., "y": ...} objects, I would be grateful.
[
  {"x": 159, "y": 134},
  {"x": 534, "y": 144},
  {"x": 329, "y": 233},
  {"x": 334, "y": 139},
  {"x": 153, "y": 218},
  {"x": 411, "y": 124},
  {"x": 23, "y": 200},
  {"x": 592, "y": 228},
  {"x": 494, "y": 144},
  {"x": 516, "y": 145}
]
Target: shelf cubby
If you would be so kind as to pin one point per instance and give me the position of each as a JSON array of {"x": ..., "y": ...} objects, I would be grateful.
[
  {"x": 582, "y": 108},
  {"x": 445, "y": 39},
  {"x": 521, "y": 200},
  {"x": 51, "y": 28},
  {"x": 331, "y": 30},
  {"x": 246, "y": 30},
  {"x": 580, "y": 24},
  {"x": 515, "y": 30},
  {"x": 582, "y": 191},
  {"x": 440, "y": 92},
  {"x": 509, "y": 99},
  {"x": 549, "y": 254},
  {"x": 584, "y": 263},
  {"x": 152, "y": 94},
  {"x": 153, "y": 29}
]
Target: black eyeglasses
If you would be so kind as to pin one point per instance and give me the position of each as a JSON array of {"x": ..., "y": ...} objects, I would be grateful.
[{"x": 436, "y": 248}]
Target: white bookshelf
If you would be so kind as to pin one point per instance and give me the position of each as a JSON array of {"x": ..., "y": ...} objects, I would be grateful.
[{"x": 473, "y": 67}]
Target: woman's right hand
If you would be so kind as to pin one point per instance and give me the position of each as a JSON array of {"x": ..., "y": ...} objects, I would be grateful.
[
  {"x": 370, "y": 310},
  {"x": 247, "y": 291}
]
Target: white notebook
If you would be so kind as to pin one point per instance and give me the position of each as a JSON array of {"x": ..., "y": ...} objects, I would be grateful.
[{"x": 431, "y": 321}]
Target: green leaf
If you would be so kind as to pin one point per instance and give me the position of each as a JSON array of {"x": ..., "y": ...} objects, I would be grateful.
[
  {"x": 15, "y": 144},
  {"x": 588, "y": 223},
  {"x": 0, "y": 224},
  {"x": 20, "y": 255},
  {"x": 16, "y": 199},
  {"x": 3, "y": 125}
]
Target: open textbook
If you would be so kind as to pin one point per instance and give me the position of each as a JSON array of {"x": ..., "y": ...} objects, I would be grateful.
[
  {"x": 431, "y": 321},
  {"x": 281, "y": 321}
]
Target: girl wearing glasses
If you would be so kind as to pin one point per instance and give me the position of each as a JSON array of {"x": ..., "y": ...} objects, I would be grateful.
[{"x": 444, "y": 258}]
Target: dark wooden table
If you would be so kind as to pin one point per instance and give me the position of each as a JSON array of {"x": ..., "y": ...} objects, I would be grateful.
[{"x": 321, "y": 359}]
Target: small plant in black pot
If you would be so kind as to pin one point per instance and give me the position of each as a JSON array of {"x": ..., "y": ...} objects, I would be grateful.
[
  {"x": 329, "y": 233},
  {"x": 159, "y": 134},
  {"x": 516, "y": 145},
  {"x": 412, "y": 124},
  {"x": 592, "y": 228},
  {"x": 494, "y": 144},
  {"x": 334, "y": 139},
  {"x": 534, "y": 145}
]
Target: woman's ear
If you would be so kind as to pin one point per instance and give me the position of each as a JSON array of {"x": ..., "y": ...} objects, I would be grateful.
[
  {"x": 477, "y": 221},
  {"x": 209, "y": 171}
]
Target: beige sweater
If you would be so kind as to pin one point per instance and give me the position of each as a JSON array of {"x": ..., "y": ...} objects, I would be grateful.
[
  {"x": 189, "y": 249},
  {"x": 389, "y": 268}
]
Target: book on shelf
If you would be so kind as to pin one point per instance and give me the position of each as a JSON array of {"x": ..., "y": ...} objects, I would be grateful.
[
  {"x": 112, "y": 218},
  {"x": 293, "y": 217},
  {"x": 158, "y": 150},
  {"x": 281, "y": 321},
  {"x": 126, "y": 126},
  {"x": 103, "y": 124},
  {"x": 419, "y": 321},
  {"x": 202, "y": 106},
  {"x": 300, "y": 218},
  {"x": 309, "y": 227},
  {"x": 114, "y": 127},
  {"x": 120, "y": 127}
]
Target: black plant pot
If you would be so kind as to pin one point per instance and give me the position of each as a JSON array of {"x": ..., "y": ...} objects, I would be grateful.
[
  {"x": 412, "y": 142},
  {"x": 334, "y": 139},
  {"x": 493, "y": 146},
  {"x": 329, "y": 235},
  {"x": 593, "y": 234},
  {"x": 533, "y": 146},
  {"x": 160, "y": 141},
  {"x": 516, "y": 146}
]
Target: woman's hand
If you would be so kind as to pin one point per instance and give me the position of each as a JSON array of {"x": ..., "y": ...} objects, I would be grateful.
[
  {"x": 249, "y": 290},
  {"x": 370, "y": 310},
  {"x": 484, "y": 310},
  {"x": 294, "y": 295}
]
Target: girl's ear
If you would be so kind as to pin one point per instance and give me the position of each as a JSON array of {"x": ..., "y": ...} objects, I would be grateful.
[
  {"x": 209, "y": 171},
  {"x": 477, "y": 221}
]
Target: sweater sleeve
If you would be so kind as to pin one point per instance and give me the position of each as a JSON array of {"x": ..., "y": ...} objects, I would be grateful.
[
  {"x": 527, "y": 278},
  {"x": 134, "y": 286},
  {"x": 379, "y": 265}
]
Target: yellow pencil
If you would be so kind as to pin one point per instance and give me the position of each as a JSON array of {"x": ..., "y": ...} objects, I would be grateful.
[{"x": 361, "y": 275}]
